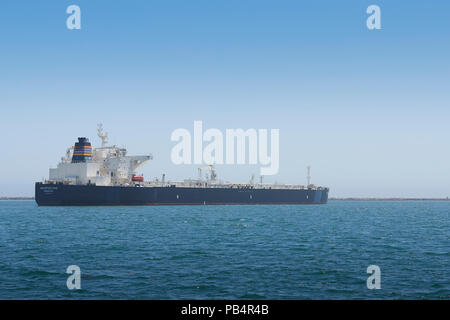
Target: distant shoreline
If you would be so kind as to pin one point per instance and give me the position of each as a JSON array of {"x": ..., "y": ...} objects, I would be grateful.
[
  {"x": 389, "y": 199},
  {"x": 331, "y": 199}
]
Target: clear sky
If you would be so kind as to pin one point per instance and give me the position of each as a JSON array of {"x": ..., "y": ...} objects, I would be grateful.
[{"x": 368, "y": 110}]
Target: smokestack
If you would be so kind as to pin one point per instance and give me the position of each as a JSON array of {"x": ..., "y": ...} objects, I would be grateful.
[{"x": 82, "y": 151}]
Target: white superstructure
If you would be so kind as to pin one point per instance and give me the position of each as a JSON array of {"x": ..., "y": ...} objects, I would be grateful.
[{"x": 105, "y": 166}]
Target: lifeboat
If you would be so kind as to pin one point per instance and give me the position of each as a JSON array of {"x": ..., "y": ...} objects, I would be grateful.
[{"x": 137, "y": 178}]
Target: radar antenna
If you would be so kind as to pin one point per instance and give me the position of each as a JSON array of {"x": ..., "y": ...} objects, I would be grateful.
[{"x": 102, "y": 135}]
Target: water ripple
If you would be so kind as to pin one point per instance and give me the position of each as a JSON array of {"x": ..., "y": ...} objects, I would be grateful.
[{"x": 226, "y": 252}]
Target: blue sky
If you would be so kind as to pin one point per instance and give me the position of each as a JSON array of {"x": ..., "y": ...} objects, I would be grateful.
[{"x": 368, "y": 110}]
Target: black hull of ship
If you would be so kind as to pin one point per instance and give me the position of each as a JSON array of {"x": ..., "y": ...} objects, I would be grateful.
[{"x": 92, "y": 195}]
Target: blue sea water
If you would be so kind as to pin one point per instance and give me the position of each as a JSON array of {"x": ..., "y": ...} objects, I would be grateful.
[{"x": 226, "y": 252}]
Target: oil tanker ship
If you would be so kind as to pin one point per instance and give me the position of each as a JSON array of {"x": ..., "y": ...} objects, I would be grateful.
[{"x": 106, "y": 175}]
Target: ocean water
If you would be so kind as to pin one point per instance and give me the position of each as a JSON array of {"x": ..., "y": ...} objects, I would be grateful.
[{"x": 226, "y": 252}]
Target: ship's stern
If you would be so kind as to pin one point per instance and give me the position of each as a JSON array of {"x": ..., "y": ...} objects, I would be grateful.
[{"x": 46, "y": 194}]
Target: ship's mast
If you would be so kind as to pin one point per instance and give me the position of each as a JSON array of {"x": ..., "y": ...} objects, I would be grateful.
[
  {"x": 212, "y": 173},
  {"x": 102, "y": 135},
  {"x": 308, "y": 177}
]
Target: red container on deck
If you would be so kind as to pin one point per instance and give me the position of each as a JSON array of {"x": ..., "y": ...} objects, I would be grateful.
[{"x": 137, "y": 179}]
